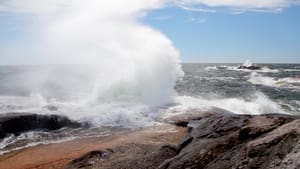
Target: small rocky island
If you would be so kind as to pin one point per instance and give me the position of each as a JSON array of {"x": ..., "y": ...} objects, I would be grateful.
[
  {"x": 194, "y": 139},
  {"x": 249, "y": 66}
]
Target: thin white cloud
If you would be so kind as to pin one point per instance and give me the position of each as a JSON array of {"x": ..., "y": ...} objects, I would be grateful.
[
  {"x": 241, "y": 11},
  {"x": 250, "y": 5},
  {"x": 195, "y": 9},
  {"x": 31, "y": 6},
  {"x": 206, "y": 6},
  {"x": 50, "y": 6}
]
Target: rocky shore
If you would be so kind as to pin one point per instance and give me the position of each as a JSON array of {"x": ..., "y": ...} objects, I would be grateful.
[{"x": 194, "y": 139}]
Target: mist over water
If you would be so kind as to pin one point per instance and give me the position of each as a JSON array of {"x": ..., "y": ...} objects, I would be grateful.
[{"x": 100, "y": 60}]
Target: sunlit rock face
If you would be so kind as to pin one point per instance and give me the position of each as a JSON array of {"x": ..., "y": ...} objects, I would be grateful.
[{"x": 214, "y": 141}]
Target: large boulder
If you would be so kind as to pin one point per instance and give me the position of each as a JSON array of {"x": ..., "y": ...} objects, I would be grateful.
[
  {"x": 16, "y": 123},
  {"x": 221, "y": 141}
]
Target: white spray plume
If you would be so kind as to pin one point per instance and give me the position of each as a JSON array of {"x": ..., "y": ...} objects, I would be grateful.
[{"x": 119, "y": 56}]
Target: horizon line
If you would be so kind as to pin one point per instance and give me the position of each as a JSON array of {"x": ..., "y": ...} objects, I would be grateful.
[{"x": 189, "y": 62}]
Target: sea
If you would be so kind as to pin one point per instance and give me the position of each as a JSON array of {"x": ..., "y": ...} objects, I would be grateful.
[{"x": 275, "y": 88}]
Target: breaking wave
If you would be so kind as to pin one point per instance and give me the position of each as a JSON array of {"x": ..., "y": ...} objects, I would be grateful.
[
  {"x": 258, "y": 104},
  {"x": 287, "y": 82}
]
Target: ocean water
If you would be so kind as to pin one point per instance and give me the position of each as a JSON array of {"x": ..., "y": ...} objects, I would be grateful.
[{"x": 273, "y": 89}]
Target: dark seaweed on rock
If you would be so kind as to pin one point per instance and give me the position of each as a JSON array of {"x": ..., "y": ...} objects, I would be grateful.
[{"x": 16, "y": 123}]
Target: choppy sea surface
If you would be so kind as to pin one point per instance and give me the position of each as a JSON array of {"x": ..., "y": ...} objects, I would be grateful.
[{"x": 275, "y": 88}]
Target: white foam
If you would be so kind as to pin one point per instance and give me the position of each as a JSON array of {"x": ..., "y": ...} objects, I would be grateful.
[
  {"x": 247, "y": 63},
  {"x": 291, "y": 70},
  {"x": 106, "y": 113},
  {"x": 288, "y": 82},
  {"x": 34, "y": 138},
  {"x": 13, "y": 139},
  {"x": 211, "y": 68},
  {"x": 260, "y": 104},
  {"x": 222, "y": 67}
]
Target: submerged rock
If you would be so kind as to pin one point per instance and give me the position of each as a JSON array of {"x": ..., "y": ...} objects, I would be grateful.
[
  {"x": 216, "y": 141},
  {"x": 15, "y": 123}
]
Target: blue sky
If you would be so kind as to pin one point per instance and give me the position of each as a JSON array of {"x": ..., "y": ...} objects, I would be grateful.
[
  {"x": 226, "y": 37},
  {"x": 223, "y": 31}
]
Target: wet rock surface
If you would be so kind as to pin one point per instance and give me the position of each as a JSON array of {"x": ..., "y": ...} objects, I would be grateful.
[
  {"x": 215, "y": 140},
  {"x": 16, "y": 123}
]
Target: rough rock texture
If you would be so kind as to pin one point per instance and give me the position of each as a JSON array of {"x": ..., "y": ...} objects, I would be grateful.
[
  {"x": 58, "y": 155},
  {"x": 215, "y": 141},
  {"x": 221, "y": 141},
  {"x": 133, "y": 156},
  {"x": 15, "y": 123}
]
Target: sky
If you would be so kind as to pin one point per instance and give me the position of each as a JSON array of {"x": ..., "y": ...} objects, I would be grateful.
[
  {"x": 225, "y": 36},
  {"x": 224, "y": 31}
]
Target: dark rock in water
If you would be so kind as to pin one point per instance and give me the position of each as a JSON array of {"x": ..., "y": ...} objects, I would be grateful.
[
  {"x": 252, "y": 67},
  {"x": 218, "y": 141},
  {"x": 15, "y": 123}
]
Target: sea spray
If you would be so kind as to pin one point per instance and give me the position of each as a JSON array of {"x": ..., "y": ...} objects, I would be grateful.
[{"x": 102, "y": 63}]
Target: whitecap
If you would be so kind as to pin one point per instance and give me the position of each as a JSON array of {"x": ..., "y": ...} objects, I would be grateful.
[
  {"x": 259, "y": 104},
  {"x": 288, "y": 82},
  {"x": 291, "y": 70}
]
